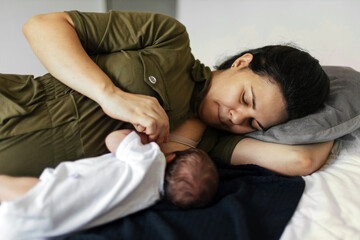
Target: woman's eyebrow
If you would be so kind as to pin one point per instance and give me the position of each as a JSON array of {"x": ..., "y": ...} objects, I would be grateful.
[{"x": 254, "y": 107}]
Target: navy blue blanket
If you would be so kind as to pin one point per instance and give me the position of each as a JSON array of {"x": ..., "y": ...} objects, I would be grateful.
[{"x": 252, "y": 203}]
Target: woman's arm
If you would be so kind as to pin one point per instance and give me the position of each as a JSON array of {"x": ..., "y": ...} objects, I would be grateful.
[
  {"x": 192, "y": 129},
  {"x": 56, "y": 43},
  {"x": 292, "y": 160}
]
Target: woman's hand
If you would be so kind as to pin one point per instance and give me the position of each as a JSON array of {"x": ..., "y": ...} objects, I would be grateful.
[{"x": 143, "y": 112}]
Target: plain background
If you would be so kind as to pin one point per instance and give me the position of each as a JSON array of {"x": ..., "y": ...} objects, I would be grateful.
[{"x": 328, "y": 29}]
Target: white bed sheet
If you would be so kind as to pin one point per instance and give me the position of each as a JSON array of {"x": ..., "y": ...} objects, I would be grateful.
[{"x": 330, "y": 206}]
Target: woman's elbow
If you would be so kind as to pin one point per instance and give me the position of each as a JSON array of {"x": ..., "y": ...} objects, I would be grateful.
[
  {"x": 312, "y": 157},
  {"x": 42, "y": 22},
  {"x": 305, "y": 165},
  {"x": 32, "y": 24}
]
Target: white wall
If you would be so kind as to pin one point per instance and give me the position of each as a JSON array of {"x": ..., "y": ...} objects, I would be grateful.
[
  {"x": 15, "y": 54},
  {"x": 328, "y": 29}
]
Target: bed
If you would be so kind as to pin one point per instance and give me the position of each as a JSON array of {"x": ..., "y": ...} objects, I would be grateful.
[
  {"x": 254, "y": 203},
  {"x": 240, "y": 211},
  {"x": 330, "y": 205}
]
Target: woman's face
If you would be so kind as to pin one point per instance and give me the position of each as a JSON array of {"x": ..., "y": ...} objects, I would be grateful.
[{"x": 240, "y": 101}]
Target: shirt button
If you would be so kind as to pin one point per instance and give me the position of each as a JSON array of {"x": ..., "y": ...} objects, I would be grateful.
[{"x": 152, "y": 79}]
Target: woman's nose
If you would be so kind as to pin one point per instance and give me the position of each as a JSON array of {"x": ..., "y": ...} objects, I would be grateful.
[{"x": 238, "y": 117}]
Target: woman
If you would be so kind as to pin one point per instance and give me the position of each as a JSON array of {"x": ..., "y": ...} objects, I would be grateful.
[{"x": 137, "y": 68}]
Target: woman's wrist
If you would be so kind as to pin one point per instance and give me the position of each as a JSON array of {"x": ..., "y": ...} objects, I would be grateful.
[{"x": 105, "y": 93}]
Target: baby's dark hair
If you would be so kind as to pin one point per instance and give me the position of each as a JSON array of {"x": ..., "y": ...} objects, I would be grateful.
[
  {"x": 303, "y": 82},
  {"x": 191, "y": 179}
]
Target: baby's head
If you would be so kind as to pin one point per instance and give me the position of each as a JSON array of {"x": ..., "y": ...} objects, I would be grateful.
[{"x": 191, "y": 179}]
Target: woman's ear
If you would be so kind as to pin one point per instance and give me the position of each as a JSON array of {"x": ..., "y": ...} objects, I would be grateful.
[
  {"x": 243, "y": 61},
  {"x": 170, "y": 157}
]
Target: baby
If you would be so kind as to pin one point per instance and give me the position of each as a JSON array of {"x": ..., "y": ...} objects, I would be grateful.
[
  {"x": 190, "y": 177},
  {"x": 89, "y": 192}
]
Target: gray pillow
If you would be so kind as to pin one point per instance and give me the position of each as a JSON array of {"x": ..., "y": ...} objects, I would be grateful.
[{"x": 340, "y": 116}]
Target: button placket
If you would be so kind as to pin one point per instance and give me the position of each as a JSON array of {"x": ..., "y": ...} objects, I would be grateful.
[
  {"x": 153, "y": 76},
  {"x": 152, "y": 79}
]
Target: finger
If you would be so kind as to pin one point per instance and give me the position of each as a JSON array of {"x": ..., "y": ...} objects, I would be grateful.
[
  {"x": 161, "y": 138},
  {"x": 153, "y": 127},
  {"x": 158, "y": 140},
  {"x": 166, "y": 138},
  {"x": 164, "y": 135},
  {"x": 159, "y": 133},
  {"x": 144, "y": 138},
  {"x": 139, "y": 128}
]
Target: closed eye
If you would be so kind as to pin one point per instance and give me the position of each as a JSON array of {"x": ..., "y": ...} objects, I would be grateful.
[
  {"x": 257, "y": 125},
  {"x": 243, "y": 98},
  {"x": 251, "y": 120}
]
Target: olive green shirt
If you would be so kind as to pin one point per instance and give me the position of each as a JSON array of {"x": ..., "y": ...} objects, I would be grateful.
[{"x": 43, "y": 122}]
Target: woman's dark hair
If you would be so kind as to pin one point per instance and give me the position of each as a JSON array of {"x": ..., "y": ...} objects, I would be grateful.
[{"x": 302, "y": 80}]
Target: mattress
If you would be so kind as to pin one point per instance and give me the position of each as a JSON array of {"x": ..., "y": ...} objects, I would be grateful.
[{"x": 330, "y": 205}]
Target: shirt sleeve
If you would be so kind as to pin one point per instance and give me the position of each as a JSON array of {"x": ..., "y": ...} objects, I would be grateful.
[
  {"x": 116, "y": 30},
  {"x": 219, "y": 144},
  {"x": 225, "y": 146},
  {"x": 134, "y": 153}
]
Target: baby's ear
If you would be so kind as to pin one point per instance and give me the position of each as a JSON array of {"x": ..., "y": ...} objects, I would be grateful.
[{"x": 170, "y": 157}]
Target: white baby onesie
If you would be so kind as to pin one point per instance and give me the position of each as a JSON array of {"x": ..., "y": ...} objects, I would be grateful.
[{"x": 86, "y": 193}]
